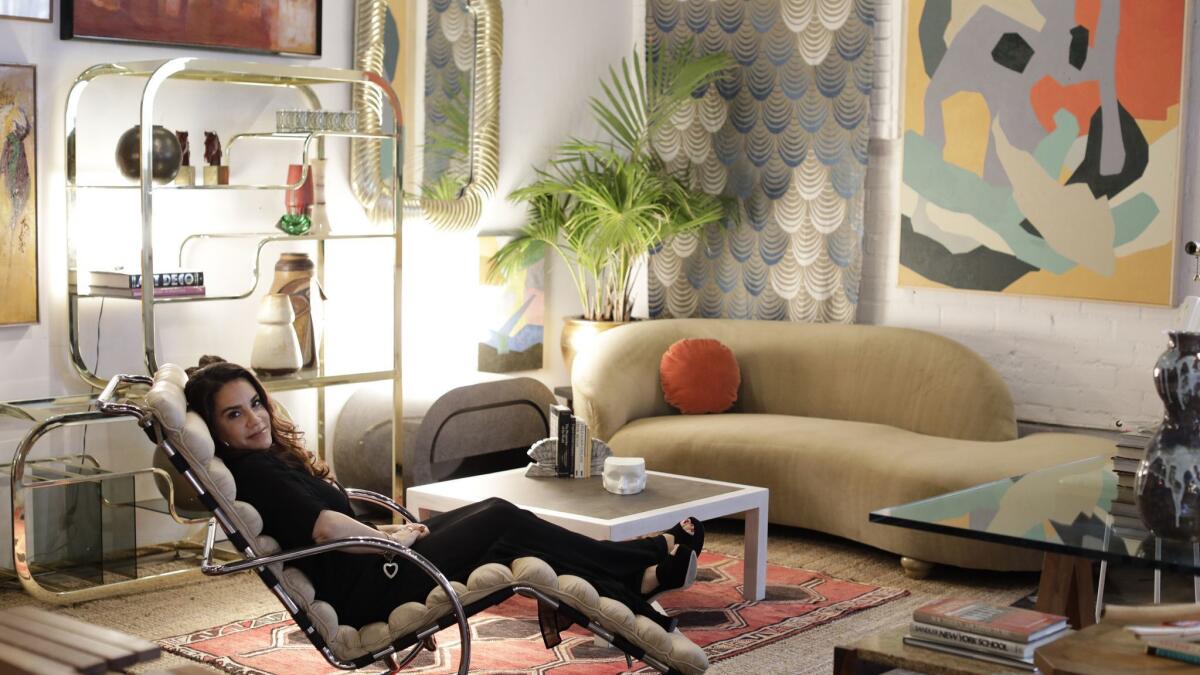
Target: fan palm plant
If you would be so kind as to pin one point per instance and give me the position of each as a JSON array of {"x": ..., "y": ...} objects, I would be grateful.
[{"x": 603, "y": 206}]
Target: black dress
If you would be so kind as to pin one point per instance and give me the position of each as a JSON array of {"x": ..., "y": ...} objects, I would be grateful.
[{"x": 289, "y": 500}]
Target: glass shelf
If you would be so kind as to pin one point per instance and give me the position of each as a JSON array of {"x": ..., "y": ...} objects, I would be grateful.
[
  {"x": 307, "y": 137},
  {"x": 39, "y": 409}
]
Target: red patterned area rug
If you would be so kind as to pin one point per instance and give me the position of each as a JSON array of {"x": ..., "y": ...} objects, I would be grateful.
[{"x": 506, "y": 639}]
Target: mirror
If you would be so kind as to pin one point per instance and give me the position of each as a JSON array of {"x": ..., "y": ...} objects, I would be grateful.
[{"x": 451, "y": 105}]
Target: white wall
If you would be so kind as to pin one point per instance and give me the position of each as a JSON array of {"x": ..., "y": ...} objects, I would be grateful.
[
  {"x": 554, "y": 55},
  {"x": 1066, "y": 361}
]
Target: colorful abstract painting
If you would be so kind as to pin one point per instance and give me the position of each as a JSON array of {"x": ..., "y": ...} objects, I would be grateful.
[
  {"x": 511, "y": 313},
  {"x": 18, "y": 195},
  {"x": 291, "y": 27},
  {"x": 1042, "y": 147},
  {"x": 786, "y": 133}
]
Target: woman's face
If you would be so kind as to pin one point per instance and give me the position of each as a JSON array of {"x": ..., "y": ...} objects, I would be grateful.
[{"x": 240, "y": 417}]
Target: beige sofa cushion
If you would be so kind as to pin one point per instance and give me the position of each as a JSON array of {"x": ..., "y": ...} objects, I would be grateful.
[
  {"x": 828, "y": 475},
  {"x": 905, "y": 378}
]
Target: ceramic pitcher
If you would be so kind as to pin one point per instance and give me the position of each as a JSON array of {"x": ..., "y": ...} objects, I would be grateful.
[
  {"x": 1168, "y": 480},
  {"x": 276, "y": 349}
]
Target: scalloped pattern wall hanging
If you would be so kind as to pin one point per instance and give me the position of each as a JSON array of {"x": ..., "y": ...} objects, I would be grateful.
[
  {"x": 449, "y": 59},
  {"x": 785, "y": 133}
]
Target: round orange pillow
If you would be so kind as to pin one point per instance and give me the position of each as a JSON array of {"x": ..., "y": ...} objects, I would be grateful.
[{"x": 700, "y": 376}]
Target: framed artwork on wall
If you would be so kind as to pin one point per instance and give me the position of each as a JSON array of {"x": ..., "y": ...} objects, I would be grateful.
[
  {"x": 30, "y": 10},
  {"x": 1043, "y": 146},
  {"x": 511, "y": 313},
  {"x": 18, "y": 195},
  {"x": 285, "y": 27}
]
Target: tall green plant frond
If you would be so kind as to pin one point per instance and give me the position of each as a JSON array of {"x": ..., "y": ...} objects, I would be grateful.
[
  {"x": 603, "y": 206},
  {"x": 636, "y": 103}
]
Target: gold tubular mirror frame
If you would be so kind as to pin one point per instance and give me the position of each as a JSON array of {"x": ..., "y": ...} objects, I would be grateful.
[{"x": 366, "y": 174}]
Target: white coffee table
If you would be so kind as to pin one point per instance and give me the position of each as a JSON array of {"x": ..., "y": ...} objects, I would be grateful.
[{"x": 582, "y": 505}]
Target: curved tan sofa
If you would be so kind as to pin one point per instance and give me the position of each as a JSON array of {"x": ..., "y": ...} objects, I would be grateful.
[{"x": 837, "y": 421}]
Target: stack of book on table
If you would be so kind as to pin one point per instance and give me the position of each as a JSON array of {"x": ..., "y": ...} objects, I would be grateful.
[
  {"x": 1176, "y": 640},
  {"x": 1131, "y": 448},
  {"x": 1002, "y": 635},
  {"x": 121, "y": 284}
]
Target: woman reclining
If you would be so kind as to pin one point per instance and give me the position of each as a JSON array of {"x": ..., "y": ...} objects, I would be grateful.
[{"x": 302, "y": 505}]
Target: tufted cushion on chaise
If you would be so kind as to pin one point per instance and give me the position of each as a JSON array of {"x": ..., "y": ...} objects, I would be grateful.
[{"x": 189, "y": 435}]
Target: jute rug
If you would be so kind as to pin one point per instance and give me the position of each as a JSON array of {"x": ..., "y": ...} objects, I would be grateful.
[
  {"x": 506, "y": 637},
  {"x": 219, "y": 601}
]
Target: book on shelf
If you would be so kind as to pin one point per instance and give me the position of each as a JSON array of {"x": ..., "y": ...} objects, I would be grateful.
[
  {"x": 163, "y": 292},
  {"x": 1009, "y": 661},
  {"x": 982, "y": 643},
  {"x": 1128, "y": 523},
  {"x": 120, "y": 279},
  {"x": 1125, "y": 509},
  {"x": 1125, "y": 480},
  {"x": 1125, "y": 465},
  {"x": 1125, "y": 494},
  {"x": 1006, "y": 623},
  {"x": 1135, "y": 440},
  {"x": 1128, "y": 452},
  {"x": 1177, "y": 650}
]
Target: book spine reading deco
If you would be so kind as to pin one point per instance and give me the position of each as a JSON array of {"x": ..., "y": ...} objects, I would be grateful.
[{"x": 134, "y": 280}]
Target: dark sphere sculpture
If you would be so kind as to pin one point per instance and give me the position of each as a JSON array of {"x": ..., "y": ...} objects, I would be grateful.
[{"x": 168, "y": 155}]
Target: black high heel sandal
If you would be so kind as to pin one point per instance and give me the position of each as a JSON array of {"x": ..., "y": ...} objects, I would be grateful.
[
  {"x": 694, "y": 539},
  {"x": 675, "y": 573}
]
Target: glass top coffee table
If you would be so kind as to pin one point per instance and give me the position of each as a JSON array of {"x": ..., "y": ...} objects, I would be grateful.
[
  {"x": 582, "y": 505},
  {"x": 1074, "y": 512}
]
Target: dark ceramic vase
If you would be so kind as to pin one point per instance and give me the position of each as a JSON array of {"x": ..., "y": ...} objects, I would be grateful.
[{"x": 1168, "y": 480}]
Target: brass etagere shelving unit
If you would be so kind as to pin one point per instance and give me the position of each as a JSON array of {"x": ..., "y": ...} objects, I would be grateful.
[{"x": 78, "y": 410}]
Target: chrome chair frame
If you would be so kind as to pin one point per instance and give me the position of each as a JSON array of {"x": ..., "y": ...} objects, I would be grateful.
[{"x": 415, "y": 642}]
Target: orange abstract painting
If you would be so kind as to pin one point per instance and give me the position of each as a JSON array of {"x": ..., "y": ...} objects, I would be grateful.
[
  {"x": 274, "y": 26},
  {"x": 1042, "y": 147}
]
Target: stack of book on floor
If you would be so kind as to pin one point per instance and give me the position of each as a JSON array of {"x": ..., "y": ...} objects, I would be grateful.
[
  {"x": 1131, "y": 448},
  {"x": 1176, "y": 640},
  {"x": 120, "y": 284},
  {"x": 1003, "y": 635}
]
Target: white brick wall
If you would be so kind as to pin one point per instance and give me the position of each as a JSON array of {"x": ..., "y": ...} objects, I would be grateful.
[
  {"x": 886, "y": 87},
  {"x": 1066, "y": 361}
]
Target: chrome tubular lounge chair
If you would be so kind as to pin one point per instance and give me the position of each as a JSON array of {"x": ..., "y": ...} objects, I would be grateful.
[{"x": 184, "y": 440}]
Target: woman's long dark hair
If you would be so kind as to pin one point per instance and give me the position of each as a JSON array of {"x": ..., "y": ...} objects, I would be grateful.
[{"x": 205, "y": 380}]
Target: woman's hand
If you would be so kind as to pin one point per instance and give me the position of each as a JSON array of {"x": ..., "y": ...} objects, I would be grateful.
[{"x": 406, "y": 534}]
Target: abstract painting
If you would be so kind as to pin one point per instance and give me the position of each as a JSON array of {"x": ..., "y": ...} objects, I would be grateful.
[
  {"x": 33, "y": 10},
  {"x": 18, "y": 195},
  {"x": 1042, "y": 146},
  {"x": 289, "y": 27},
  {"x": 785, "y": 132},
  {"x": 511, "y": 314}
]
